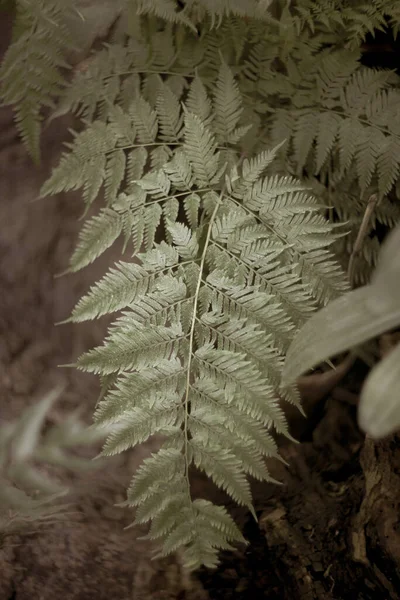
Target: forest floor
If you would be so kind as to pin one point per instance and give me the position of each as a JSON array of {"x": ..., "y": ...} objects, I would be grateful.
[{"x": 331, "y": 531}]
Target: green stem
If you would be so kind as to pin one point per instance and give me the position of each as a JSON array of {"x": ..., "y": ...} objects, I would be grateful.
[{"x": 191, "y": 336}]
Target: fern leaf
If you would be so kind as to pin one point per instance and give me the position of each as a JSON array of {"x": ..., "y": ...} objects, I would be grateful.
[
  {"x": 304, "y": 136},
  {"x": 327, "y": 131},
  {"x": 144, "y": 119},
  {"x": 191, "y": 206},
  {"x": 253, "y": 169},
  {"x": 160, "y": 156},
  {"x": 200, "y": 147},
  {"x": 85, "y": 165},
  {"x": 95, "y": 173},
  {"x": 123, "y": 284},
  {"x": 388, "y": 165},
  {"x": 197, "y": 352},
  {"x": 141, "y": 423},
  {"x": 368, "y": 149},
  {"x": 227, "y": 104},
  {"x": 125, "y": 346},
  {"x": 186, "y": 243},
  {"x": 349, "y": 132},
  {"x": 139, "y": 389},
  {"x": 166, "y": 463},
  {"x": 179, "y": 171},
  {"x": 223, "y": 468},
  {"x": 151, "y": 87},
  {"x": 98, "y": 234},
  {"x": 169, "y": 114},
  {"x": 198, "y": 102},
  {"x": 136, "y": 162},
  {"x": 115, "y": 173},
  {"x": 170, "y": 213}
]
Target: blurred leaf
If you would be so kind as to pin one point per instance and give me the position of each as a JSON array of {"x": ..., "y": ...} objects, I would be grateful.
[
  {"x": 27, "y": 431},
  {"x": 343, "y": 324},
  {"x": 351, "y": 319},
  {"x": 28, "y": 494},
  {"x": 379, "y": 409}
]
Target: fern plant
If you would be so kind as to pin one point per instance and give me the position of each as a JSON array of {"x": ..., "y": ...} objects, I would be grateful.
[
  {"x": 301, "y": 79},
  {"x": 207, "y": 312},
  {"x": 183, "y": 114}
]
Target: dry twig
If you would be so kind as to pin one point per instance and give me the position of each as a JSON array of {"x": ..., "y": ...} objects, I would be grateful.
[{"x": 372, "y": 203}]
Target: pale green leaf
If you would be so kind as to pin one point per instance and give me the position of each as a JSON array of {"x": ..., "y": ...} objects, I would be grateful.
[
  {"x": 379, "y": 408},
  {"x": 97, "y": 234}
]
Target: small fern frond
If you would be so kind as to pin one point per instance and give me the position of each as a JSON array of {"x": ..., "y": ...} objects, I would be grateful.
[
  {"x": 122, "y": 284},
  {"x": 97, "y": 234},
  {"x": 227, "y": 104},
  {"x": 198, "y": 101},
  {"x": 200, "y": 148},
  {"x": 115, "y": 174},
  {"x": 170, "y": 116},
  {"x": 84, "y": 166},
  {"x": 31, "y": 73},
  {"x": 144, "y": 119}
]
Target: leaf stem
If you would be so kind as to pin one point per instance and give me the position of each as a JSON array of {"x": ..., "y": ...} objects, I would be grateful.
[{"x": 191, "y": 335}]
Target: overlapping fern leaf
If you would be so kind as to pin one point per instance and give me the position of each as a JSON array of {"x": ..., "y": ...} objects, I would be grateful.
[
  {"x": 345, "y": 118},
  {"x": 205, "y": 315},
  {"x": 194, "y": 11},
  {"x": 342, "y": 120},
  {"x": 31, "y": 72},
  {"x": 349, "y": 20}
]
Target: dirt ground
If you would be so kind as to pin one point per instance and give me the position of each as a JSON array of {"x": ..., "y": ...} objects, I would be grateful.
[{"x": 331, "y": 531}]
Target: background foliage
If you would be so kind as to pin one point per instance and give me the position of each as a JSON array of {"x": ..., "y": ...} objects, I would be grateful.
[
  {"x": 225, "y": 143},
  {"x": 29, "y": 493}
]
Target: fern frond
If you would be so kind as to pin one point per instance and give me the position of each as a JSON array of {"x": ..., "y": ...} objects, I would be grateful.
[
  {"x": 190, "y": 349},
  {"x": 85, "y": 165},
  {"x": 31, "y": 73},
  {"x": 200, "y": 148},
  {"x": 144, "y": 119},
  {"x": 196, "y": 353},
  {"x": 227, "y": 104},
  {"x": 115, "y": 173},
  {"x": 170, "y": 116},
  {"x": 198, "y": 101},
  {"x": 96, "y": 236}
]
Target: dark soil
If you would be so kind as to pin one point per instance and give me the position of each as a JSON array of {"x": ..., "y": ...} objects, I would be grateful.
[{"x": 331, "y": 531}]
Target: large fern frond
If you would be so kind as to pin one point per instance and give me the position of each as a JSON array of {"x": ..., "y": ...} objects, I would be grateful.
[{"x": 197, "y": 351}]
